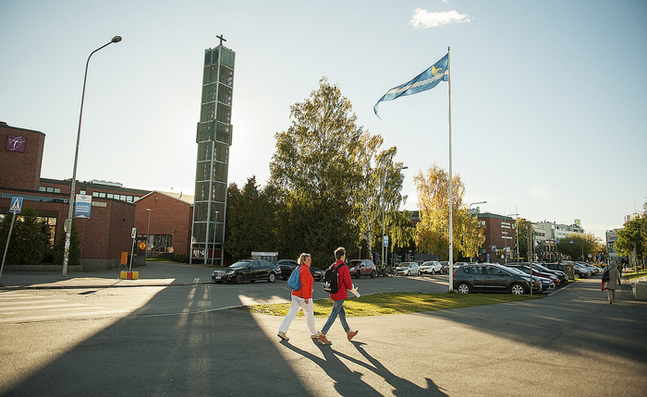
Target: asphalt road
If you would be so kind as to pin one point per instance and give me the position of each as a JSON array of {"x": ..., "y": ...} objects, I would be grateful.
[{"x": 179, "y": 341}]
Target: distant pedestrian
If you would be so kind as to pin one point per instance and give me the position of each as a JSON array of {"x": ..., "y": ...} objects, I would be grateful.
[
  {"x": 614, "y": 281},
  {"x": 301, "y": 299},
  {"x": 344, "y": 282}
]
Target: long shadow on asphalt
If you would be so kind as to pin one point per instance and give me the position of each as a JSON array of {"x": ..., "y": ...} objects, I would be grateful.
[
  {"x": 577, "y": 319},
  {"x": 175, "y": 355},
  {"x": 350, "y": 383}
]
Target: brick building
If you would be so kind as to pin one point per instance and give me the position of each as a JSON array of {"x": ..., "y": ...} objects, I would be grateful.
[
  {"x": 500, "y": 238},
  {"x": 103, "y": 236},
  {"x": 163, "y": 219},
  {"x": 115, "y": 209}
]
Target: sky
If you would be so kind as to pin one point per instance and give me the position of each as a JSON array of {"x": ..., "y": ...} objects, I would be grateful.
[{"x": 548, "y": 98}]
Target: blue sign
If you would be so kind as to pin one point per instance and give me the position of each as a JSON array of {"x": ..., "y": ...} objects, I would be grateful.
[
  {"x": 16, "y": 205},
  {"x": 82, "y": 206}
]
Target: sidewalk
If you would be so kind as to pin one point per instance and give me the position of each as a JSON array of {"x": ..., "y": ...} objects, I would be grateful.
[{"x": 153, "y": 274}]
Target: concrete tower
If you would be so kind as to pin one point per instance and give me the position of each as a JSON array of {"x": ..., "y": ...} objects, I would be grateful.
[{"x": 212, "y": 165}]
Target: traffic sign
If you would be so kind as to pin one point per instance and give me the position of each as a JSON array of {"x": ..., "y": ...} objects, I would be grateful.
[{"x": 16, "y": 205}]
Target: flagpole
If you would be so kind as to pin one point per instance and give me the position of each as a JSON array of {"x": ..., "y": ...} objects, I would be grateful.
[{"x": 451, "y": 187}]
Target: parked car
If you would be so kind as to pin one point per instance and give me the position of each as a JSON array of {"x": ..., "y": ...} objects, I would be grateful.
[
  {"x": 247, "y": 270},
  {"x": 525, "y": 267},
  {"x": 546, "y": 283},
  {"x": 592, "y": 268},
  {"x": 558, "y": 272},
  {"x": 445, "y": 269},
  {"x": 288, "y": 265},
  {"x": 492, "y": 277},
  {"x": 581, "y": 271},
  {"x": 430, "y": 267},
  {"x": 362, "y": 267},
  {"x": 407, "y": 269}
]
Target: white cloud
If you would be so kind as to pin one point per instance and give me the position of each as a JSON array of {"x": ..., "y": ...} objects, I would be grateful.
[{"x": 423, "y": 19}]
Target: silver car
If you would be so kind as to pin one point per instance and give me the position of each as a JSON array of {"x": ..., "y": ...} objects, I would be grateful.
[
  {"x": 430, "y": 267},
  {"x": 407, "y": 269}
]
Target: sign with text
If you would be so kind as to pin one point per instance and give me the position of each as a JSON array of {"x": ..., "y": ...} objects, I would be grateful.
[{"x": 82, "y": 206}]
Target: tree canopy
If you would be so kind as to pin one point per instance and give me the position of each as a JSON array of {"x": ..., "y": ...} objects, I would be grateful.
[
  {"x": 633, "y": 236},
  {"x": 316, "y": 168},
  {"x": 433, "y": 204}
]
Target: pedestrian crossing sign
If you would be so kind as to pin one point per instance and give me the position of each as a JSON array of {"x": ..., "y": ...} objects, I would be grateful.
[{"x": 16, "y": 205}]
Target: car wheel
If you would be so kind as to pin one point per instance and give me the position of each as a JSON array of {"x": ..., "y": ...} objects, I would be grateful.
[
  {"x": 239, "y": 278},
  {"x": 373, "y": 274},
  {"x": 271, "y": 278},
  {"x": 358, "y": 274},
  {"x": 517, "y": 289},
  {"x": 463, "y": 288}
]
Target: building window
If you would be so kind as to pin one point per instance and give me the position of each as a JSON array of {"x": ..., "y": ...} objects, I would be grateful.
[
  {"x": 102, "y": 195},
  {"x": 57, "y": 190},
  {"x": 82, "y": 191},
  {"x": 42, "y": 189},
  {"x": 50, "y": 190},
  {"x": 95, "y": 194},
  {"x": 110, "y": 195}
]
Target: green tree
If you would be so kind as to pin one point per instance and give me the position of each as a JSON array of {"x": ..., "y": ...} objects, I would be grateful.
[
  {"x": 316, "y": 168},
  {"x": 27, "y": 243},
  {"x": 632, "y": 236},
  {"x": 379, "y": 196},
  {"x": 433, "y": 204},
  {"x": 251, "y": 219},
  {"x": 522, "y": 230},
  {"x": 582, "y": 245},
  {"x": 74, "y": 258}
]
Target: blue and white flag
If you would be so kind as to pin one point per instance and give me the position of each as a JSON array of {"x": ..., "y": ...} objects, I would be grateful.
[{"x": 424, "y": 81}]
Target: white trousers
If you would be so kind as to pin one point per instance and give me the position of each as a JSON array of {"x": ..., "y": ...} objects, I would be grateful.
[{"x": 297, "y": 304}]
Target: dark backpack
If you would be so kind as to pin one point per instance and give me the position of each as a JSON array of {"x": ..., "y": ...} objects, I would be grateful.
[
  {"x": 294, "y": 282},
  {"x": 605, "y": 275},
  {"x": 331, "y": 280}
]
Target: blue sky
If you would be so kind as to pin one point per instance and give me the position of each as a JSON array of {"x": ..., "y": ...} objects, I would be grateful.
[{"x": 548, "y": 97}]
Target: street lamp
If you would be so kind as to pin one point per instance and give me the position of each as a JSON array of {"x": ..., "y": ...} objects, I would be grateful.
[
  {"x": 383, "y": 213},
  {"x": 70, "y": 213},
  {"x": 478, "y": 202},
  {"x": 148, "y": 232}
]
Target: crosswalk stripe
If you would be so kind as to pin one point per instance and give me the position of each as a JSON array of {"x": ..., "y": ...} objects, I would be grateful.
[{"x": 60, "y": 316}]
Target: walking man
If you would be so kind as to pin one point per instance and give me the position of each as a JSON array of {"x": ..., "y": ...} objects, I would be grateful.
[{"x": 344, "y": 282}]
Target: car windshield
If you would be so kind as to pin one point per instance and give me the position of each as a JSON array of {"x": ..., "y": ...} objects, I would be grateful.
[
  {"x": 516, "y": 271},
  {"x": 240, "y": 265}
]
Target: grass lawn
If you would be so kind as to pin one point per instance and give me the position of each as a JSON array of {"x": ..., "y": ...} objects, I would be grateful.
[{"x": 394, "y": 303}]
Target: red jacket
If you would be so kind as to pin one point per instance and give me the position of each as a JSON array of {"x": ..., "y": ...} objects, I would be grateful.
[
  {"x": 305, "y": 277},
  {"x": 344, "y": 282}
]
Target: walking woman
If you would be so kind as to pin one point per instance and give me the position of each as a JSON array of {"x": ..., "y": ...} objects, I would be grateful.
[
  {"x": 301, "y": 299},
  {"x": 614, "y": 281}
]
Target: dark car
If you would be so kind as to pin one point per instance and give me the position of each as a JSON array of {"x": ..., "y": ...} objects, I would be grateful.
[
  {"x": 492, "y": 277},
  {"x": 247, "y": 270},
  {"x": 524, "y": 267},
  {"x": 288, "y": 265},
  {"x": 362, "y": 267}
]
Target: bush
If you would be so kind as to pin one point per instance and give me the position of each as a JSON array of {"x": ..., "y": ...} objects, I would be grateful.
[{"x": 27, "y": 242}]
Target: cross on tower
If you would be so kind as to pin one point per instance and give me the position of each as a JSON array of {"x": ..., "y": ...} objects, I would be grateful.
[{"x": 221, "y": 38}]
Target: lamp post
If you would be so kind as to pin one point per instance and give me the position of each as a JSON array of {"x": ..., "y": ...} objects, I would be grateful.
[
  {"x": 148, "y": 232},
  {"x": 478, "y": 202},
  {"x": 70, "y": 213},
  {"x": 383, "y": 213}
]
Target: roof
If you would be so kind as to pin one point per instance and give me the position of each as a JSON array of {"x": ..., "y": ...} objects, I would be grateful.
[{"x": 177, "y": 196}]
